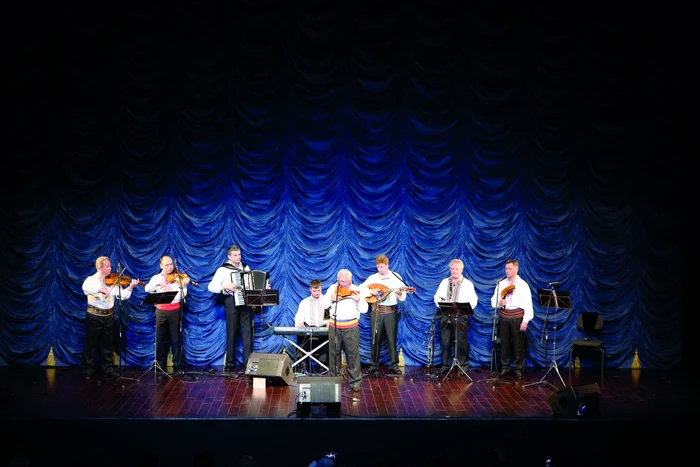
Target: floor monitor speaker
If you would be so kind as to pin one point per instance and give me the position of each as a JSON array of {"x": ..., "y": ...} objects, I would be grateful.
[
  {"x": 276, "y": 368},
  {"x": 576, "y": 401},
  {"x": 318, "y": 396}
]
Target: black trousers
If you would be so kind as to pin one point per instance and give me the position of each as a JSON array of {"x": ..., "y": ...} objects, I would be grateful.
[
  {"x": 168, "y": 337},
  {"x": 99, "y": 334},
  {"x": 239, "y": 319},
  {"x": 512, "y": 339},
  {"x": 447, "y": 338},
  {"x": 384, "y": 324}
]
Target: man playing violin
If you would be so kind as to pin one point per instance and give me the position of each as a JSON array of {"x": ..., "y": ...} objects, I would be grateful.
[
  {"x": 512, "y": 296},
  {"x": 168, "y": 315},
  {"x": 346, "y": 305},
  {"x": 384, "y": 315},
  {"x": 99, "y": 317}
]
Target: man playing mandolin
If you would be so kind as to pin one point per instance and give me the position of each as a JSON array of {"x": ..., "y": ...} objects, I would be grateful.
[{"x": 385, "y": 289}]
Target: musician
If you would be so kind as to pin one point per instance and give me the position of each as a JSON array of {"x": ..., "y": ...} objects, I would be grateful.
[
  {"x": 515, "y": 312},
  {"x": 310, "y": 313},
  {"x": 99, "y": 317},
  {"x": 168, "y": 315},
  {"x": 346, "y": 305},
  {"x": 228, "y": 281},
  {"x": 384, "y": 315},
  {"x": 456, "y": 289}
]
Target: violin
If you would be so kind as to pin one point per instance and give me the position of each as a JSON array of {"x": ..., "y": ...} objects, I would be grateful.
[
  {"x": 179, "y": 277},
  {"x": 507, "y": 290},
  {"x": 344, "y": 293},
  {"x": 124, "y": 281}
]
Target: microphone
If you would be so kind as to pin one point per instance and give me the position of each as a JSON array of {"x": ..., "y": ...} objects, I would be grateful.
[
  {"x": 176, "y": 264},
  {"x": 553, "y": 283},
  {"x": 119, "y": 269}
]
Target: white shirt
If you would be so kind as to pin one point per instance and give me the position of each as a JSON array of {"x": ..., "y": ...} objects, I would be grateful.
[
  {"x": 224, "y": 275},
  {"x": 92, "y": 287},
  {"x": 310, "y": 312},
  {"x": 466, "y": 292},
  {"x": 520, "y": 297}
]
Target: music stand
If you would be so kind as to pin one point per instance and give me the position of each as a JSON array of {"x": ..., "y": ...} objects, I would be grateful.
[
  {"x": 257, "y": 295},
  {"x": 121, "y": 338},
  {"x": 156, "y": 299},
  {"x": 548, "y": 298},
  {"x": 456, "y": 309},
  {"x": 264, "y": 297}
]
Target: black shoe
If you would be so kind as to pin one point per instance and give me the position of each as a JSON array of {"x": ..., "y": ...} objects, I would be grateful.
[
  {"x": 444, "y": 370},
  {"x": 111, "y": 375},
  {"x": 229, "y": 368},
  {"x": 87, "y": 375},
  {"x": 373, "y": 370},
  {"x": 518, "y": 374},
  {"x": 504, "y": 372},
  {"x": 396, "y": 370}
]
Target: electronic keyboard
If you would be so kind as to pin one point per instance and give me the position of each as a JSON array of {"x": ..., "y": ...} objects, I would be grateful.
[{"x": 305, "y": 331}]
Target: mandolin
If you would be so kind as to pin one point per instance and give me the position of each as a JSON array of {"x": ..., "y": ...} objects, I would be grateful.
[{"x": 384, "y": 292}]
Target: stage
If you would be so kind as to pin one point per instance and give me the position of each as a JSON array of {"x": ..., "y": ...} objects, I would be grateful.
[{"x": 207, "y": 417}]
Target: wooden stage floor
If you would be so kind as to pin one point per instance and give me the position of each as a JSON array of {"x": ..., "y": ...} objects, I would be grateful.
[{"x": 207, "y": 417}]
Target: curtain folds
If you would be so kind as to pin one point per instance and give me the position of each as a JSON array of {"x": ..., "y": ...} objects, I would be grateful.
[{"x": 318, "y": 136}]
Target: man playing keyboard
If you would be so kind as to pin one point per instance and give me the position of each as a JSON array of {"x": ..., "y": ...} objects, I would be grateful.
[{"x": 310, "y": 313}]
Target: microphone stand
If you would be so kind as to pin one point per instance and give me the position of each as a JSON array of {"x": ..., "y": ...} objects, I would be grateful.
[
  {"x": 495, "y": 339},
  {"x": 181, "y": 316},
  {"x": 120, "y": 380},
  {"x": 335, "y": 331},
  {"x": 431, "y": 349}
]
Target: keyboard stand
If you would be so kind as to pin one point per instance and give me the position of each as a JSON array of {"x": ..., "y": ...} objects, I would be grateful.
[{"x": 310, "y": 353}]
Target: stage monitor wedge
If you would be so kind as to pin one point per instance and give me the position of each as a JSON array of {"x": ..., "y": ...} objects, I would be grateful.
[
  {"x": 275, "y": 368},
  {"x": 576, "y": 401},
  {"x": 318, "y": 396}
]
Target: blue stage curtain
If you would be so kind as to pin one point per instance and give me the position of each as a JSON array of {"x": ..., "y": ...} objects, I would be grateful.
[{"x": 319, "y": 135}]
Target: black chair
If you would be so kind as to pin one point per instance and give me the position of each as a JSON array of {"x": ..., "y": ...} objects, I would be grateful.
[{"x": 590, "y": 325}]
